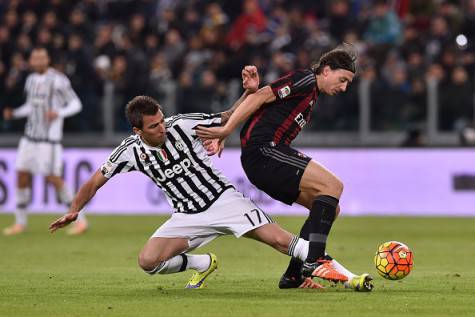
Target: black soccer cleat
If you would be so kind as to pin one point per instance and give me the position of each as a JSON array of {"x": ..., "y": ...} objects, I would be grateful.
[
  {"x": 301, "y": 282},
  {"x": 290, "y": 282},
  {"x": 308, "y": 268}
]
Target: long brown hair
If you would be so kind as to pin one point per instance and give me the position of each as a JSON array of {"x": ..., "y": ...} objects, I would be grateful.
[{"x": 342, "y": 57}]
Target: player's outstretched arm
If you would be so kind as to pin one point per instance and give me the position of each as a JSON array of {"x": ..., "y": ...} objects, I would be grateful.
[
  {"x": 250, "y": 101},
  {"x": 250, "y": 83},
  {"x": 85, "y": 194},
  {"x": 250, "y": 105}
]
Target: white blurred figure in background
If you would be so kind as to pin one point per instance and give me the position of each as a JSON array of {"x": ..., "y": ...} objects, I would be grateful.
[{"x": 49, "y": 99}]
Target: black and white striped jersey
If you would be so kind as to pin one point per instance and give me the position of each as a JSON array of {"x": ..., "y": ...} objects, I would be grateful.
[
  {"x": 180, "y": 167},
  {"x": 44, "y": 92}
]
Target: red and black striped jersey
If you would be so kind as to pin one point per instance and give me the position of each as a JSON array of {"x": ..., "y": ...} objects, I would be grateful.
[{"x": 281, "y": 120}]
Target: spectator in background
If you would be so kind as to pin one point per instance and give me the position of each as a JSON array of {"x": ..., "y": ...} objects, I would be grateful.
[
  {"x": 13, "y": 85},
  {"x": 456, "y": 101},
  {"x": 28, "y": 24},
  {"x": 468, "y": 24},
  {"x": 137, "y": 30},
  {"x": 438, "y": 38},
  {"x": 383, "y": 29},
  {"x": 340, "y": 20},
  {"x": 103, "y": 44},
  {"x": 77, "y": 67},
  {"x": 151, "y": 44},
  {"x": 6, "y": 45},
  {"x": 79, "y": 24},
  {"x": 252, "y": 18},
  {"x": 173, "y": 48},
  {"x": 160, "y": 75},
  {"x": 120, "y": 81}
]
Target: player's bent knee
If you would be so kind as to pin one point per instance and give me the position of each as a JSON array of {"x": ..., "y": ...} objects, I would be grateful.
[
  {"x": 148, "y": 262},
  {"x": 334, "y": 188}
]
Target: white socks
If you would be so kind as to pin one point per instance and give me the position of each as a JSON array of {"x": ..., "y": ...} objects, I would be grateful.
[
  {"x": 65, "y": 195},
  {"x": 298, "y": 248},
  {"x": 341, "y": 269},
  {"x": 82, "y": 217},
  {"x": 23, "y": 196},
  {"x": 198, "y": 262},
  {"x": 182, "y": 262}
]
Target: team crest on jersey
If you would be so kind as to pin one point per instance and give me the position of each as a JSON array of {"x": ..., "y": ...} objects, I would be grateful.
[
  {"x": 162, "y": 155},
  {"x": 284, "y": 92},
  {"x": 179, "y": 146}
]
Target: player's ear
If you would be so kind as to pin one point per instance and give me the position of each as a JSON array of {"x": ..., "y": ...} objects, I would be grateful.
[{"x": 137, "y": 131}]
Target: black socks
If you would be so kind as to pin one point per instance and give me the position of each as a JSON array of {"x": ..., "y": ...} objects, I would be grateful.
[{"x": 320, "y": 221}]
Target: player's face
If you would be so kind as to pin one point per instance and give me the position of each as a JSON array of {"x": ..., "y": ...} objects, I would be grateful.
[
  {"x": 335, "y": 81},
  {"x": 153, "y": 131},
  {"x": 39, "y": 60}
]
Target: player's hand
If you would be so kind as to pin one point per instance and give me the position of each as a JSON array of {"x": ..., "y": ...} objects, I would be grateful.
[
  {"x": 213, "y": 146},
  {"x": 51, "y": 115},
  {"x": 219, "y": 133},
  {"x": 63, "y": 221},
  {"x": 250, "y": 78},
  {"x": 7, "y": 113}
]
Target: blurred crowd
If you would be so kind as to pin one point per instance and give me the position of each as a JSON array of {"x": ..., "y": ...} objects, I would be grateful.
[{"x": 200, "y": 47}]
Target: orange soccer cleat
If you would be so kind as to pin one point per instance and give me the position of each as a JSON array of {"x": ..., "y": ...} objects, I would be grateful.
[
  {"x": 78, "y": 228},
  {"x": 309, "y": 283},
  {"x": 14, "y": 230},
  {"x": 323, "y": 269}
]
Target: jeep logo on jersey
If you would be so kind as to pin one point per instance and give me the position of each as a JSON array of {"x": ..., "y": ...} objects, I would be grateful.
[
  {"x": 173, "y": 171},
  {"x": 284, "y": 92},
  {"x": 300, "y": 120}
]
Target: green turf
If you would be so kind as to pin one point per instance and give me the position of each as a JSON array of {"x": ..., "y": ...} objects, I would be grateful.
[{"x": 96, "y": 274}]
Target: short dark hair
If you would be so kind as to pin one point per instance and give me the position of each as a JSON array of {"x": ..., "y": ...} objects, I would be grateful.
[
  {"x": 138, "y": 107},
  {"x": 342, "y": 57},
  {"x": 40, "y": 48}
]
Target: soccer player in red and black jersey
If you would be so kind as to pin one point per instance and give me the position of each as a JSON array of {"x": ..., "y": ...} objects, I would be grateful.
[{"x": 276, "y": 114}]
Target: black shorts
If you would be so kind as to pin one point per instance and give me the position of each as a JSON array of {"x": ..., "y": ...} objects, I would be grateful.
[{"x": 275, "y": 169}]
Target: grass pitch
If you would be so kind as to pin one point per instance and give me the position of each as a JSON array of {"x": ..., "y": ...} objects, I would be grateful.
[{"x": 44, "y": 274}]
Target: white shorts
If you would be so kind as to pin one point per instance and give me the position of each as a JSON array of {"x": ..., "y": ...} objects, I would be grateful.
[
  {"x": 232, "y": 213},
  {"x": 39, "y": 157}
]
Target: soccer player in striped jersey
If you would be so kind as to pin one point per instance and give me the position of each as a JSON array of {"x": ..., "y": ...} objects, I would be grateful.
[
  {"x": 206, "y": 205},
  {"x": 49, "y": 99},
  {"x": 277, "y": 113}
]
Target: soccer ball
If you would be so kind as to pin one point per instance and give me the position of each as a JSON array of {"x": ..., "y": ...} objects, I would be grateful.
[{"x": 393, "y": 260}]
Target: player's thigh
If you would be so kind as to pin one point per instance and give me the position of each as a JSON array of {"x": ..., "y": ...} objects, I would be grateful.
[
  {"x": 272, "y": 234},
  {"x": 26, "y": 156},
  {"x": 318, "y": 180},
  {"x": 158, "y": 249},
  {"x": 49, "y": 159}
]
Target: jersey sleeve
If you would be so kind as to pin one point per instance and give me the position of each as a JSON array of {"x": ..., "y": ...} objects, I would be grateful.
[
  {"x": 297, "y": 82},
  {"x": 119, "y": 161},
  {"x": 64, "y": 89},
  {"x": 188, "y": 122}
]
